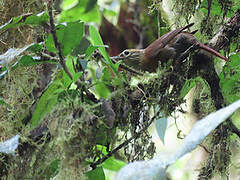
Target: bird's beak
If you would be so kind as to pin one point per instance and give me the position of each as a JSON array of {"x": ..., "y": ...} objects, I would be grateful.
[
  {"x": 212, "y": 51},
  {"x": 116, "y": 58}
]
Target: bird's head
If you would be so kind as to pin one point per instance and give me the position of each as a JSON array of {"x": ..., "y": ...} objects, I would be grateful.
[{"x": 131, "y": 57}]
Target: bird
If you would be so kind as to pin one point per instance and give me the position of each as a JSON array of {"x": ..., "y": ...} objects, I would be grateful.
[{"x": 169, "y": 46}]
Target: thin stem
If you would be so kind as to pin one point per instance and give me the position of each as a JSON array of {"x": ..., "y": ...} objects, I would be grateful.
[{"x": 55, "y": 39}]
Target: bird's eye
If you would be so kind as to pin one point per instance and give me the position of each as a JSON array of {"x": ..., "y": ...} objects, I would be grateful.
[{"x": 126, "y": 53}]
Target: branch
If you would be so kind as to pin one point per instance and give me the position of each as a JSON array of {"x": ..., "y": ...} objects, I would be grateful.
[
  {"x": 60, "y": 55},
  {"x": 55, "y": 39},
  {"x": 135, "y": 136},
  {"x": 221, "y": 40},
  {"x": 226, "y": 32},
  {"x": 127, "y": 68}
]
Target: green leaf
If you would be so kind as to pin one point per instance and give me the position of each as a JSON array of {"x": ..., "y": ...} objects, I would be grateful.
[
  {"x": 231, "y": 88},
  {"x": 81, "y": 48},
  {"x": 118, "y": 64},
  {"x": 113, "y": 164},
  {"x": 30, "y": 61},
  {"x": 189, "y": 84},
  {"x": 69, "y": 37},
  {"x": 50, "y": 44},
  {"x": 96, "y": 174},
  {"x": 60, "y": 28},
  {"x": 84, "y": 10},
  {"x": 54, "y": 167},
  {"x": 93, "y": 74},
  {"x": 102, "y": 148},
  {"x": 77, "y": 76},
  {"x": 38, "y": 19},
  {"x": 90, "y": 50},
  {"x": 36, "y": 48},
  {"x": 68, "y": 4},
  {"x": 106, "y": 75},
  {"x": 102, "y": 90},
  {"x": 161, "y": 126},
  {"x": 29, "y": 19},
  {"x": 27, "y": 61},
  {"x": 66, "y": 81},
  {"x": 48, "y": 100},
  {"x": 72, "y": 36},
  {"x": 97, "y": 41},
  {"x": 69, "y": 63}
]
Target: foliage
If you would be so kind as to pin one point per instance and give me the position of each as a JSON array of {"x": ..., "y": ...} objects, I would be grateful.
[
  {"x": 199, "y": 131},
  {"x": 229, "y": 79}
]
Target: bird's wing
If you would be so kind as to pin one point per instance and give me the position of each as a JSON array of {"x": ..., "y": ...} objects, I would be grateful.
[{"x": 154, "y": 48}]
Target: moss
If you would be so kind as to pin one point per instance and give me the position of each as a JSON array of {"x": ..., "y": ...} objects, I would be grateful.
[
  {"x": 185, "y": 9},
  {"x": 218, "y": 162}
]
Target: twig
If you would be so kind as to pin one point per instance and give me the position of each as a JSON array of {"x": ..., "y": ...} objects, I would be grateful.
[
  {"x": 233, "y": 128},
  {"x": 60, "y": 55},
  {"x": 49, "y": 56},
  {"x": 55, "y": 39},
  {"x": 127, "y": 68},
  {"x": 104, "y": 158}
]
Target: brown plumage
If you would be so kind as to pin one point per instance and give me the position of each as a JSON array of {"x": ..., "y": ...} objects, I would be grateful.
[{"x": 168, "y": 46}]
